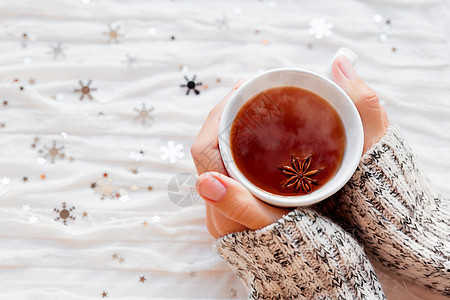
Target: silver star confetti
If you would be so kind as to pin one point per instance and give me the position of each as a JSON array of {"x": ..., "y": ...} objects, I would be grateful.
[{"x": 32, "y": 219}]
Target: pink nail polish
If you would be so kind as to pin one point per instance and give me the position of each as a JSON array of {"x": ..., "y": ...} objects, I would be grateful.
[
  {"x": 211, "y": 188},
  {"x": 347, "y": 69}
]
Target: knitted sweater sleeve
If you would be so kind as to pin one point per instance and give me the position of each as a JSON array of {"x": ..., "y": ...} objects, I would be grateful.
[
  {"x": 301, "y": 256},
  {"x": 392, "y": 209}
]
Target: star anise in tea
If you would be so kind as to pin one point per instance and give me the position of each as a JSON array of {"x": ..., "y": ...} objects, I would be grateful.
[{"x": 298, "y": 175}]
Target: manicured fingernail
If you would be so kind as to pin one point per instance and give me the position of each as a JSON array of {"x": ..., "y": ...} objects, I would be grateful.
[
  {"x": 347, "y": 69},
  {"x": 211, "y": 188}
]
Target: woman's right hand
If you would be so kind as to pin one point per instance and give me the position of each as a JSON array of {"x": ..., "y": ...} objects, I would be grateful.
[{"x": 373, "y": 114}]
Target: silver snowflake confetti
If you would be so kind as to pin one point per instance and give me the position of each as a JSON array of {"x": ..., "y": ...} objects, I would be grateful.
[
  {"x": 65, "y": 213},
  {"x": 32, "y": 219},
  {"x": 113, "y": 34},
  {"x": 131, "y": 61},
  {"x": 5, "y": 181},
  {"x": 25, "y": 208},
  {"x": 191, "y": 85},
  {"x": 85, "y": 90},
  {"x": 172, "y": 152},
  {"x": 320, "y": 28},
  {"x": 53, "y": 152},
  {"x": 57, "y": 50},
  {"x": 108, "y": 189},
  {"x": 222, "y": 23},
  {"x": 156, "y": 219},
  {"x": 104, "y": 187},
  {"x": 144, "y": 113}
]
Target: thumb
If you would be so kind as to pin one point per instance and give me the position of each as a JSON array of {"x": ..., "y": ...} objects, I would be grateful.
[
  {"x": 373, "y": 115},
  {"x": 235, "y": 202}
]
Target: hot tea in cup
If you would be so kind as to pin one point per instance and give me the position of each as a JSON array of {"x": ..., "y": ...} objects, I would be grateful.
[
  {"x": 287, "y": 141},
  {"x": 292, "y": 137}
]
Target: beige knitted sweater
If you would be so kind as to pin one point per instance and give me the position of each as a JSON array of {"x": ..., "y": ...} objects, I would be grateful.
[{"x": 387, "y": 211}]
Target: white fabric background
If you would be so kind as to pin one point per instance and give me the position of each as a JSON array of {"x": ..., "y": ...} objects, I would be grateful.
[{"x": 44, "y": 259}]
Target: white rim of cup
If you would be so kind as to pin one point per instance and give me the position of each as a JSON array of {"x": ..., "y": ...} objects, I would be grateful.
[{"x": 279, "y": 200}]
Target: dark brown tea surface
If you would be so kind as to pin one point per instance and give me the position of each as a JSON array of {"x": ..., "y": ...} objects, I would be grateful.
[{"x": 281, "y": 122}]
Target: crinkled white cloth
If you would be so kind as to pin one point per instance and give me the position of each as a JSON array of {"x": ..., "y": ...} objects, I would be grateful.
[{"x": 135, "y": 233}]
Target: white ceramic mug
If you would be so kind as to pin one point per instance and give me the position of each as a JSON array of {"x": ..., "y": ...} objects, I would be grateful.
[{"x": 318, "y": 84}]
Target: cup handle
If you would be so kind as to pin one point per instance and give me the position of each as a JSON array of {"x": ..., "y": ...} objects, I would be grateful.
[{"x": 352, "y": 56}]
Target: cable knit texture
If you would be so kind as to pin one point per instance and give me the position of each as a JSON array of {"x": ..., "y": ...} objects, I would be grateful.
[
  {"x": 302, "y": 256},
  {"x": 388, "y": 205}
]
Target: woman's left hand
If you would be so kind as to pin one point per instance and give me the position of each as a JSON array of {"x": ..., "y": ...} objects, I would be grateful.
[{"x": 230, "y": 207}]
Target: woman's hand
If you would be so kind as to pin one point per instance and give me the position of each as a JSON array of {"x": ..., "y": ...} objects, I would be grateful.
[
  {"x": 230, "y": 207},
  {"x": 373, "y": 115}
]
